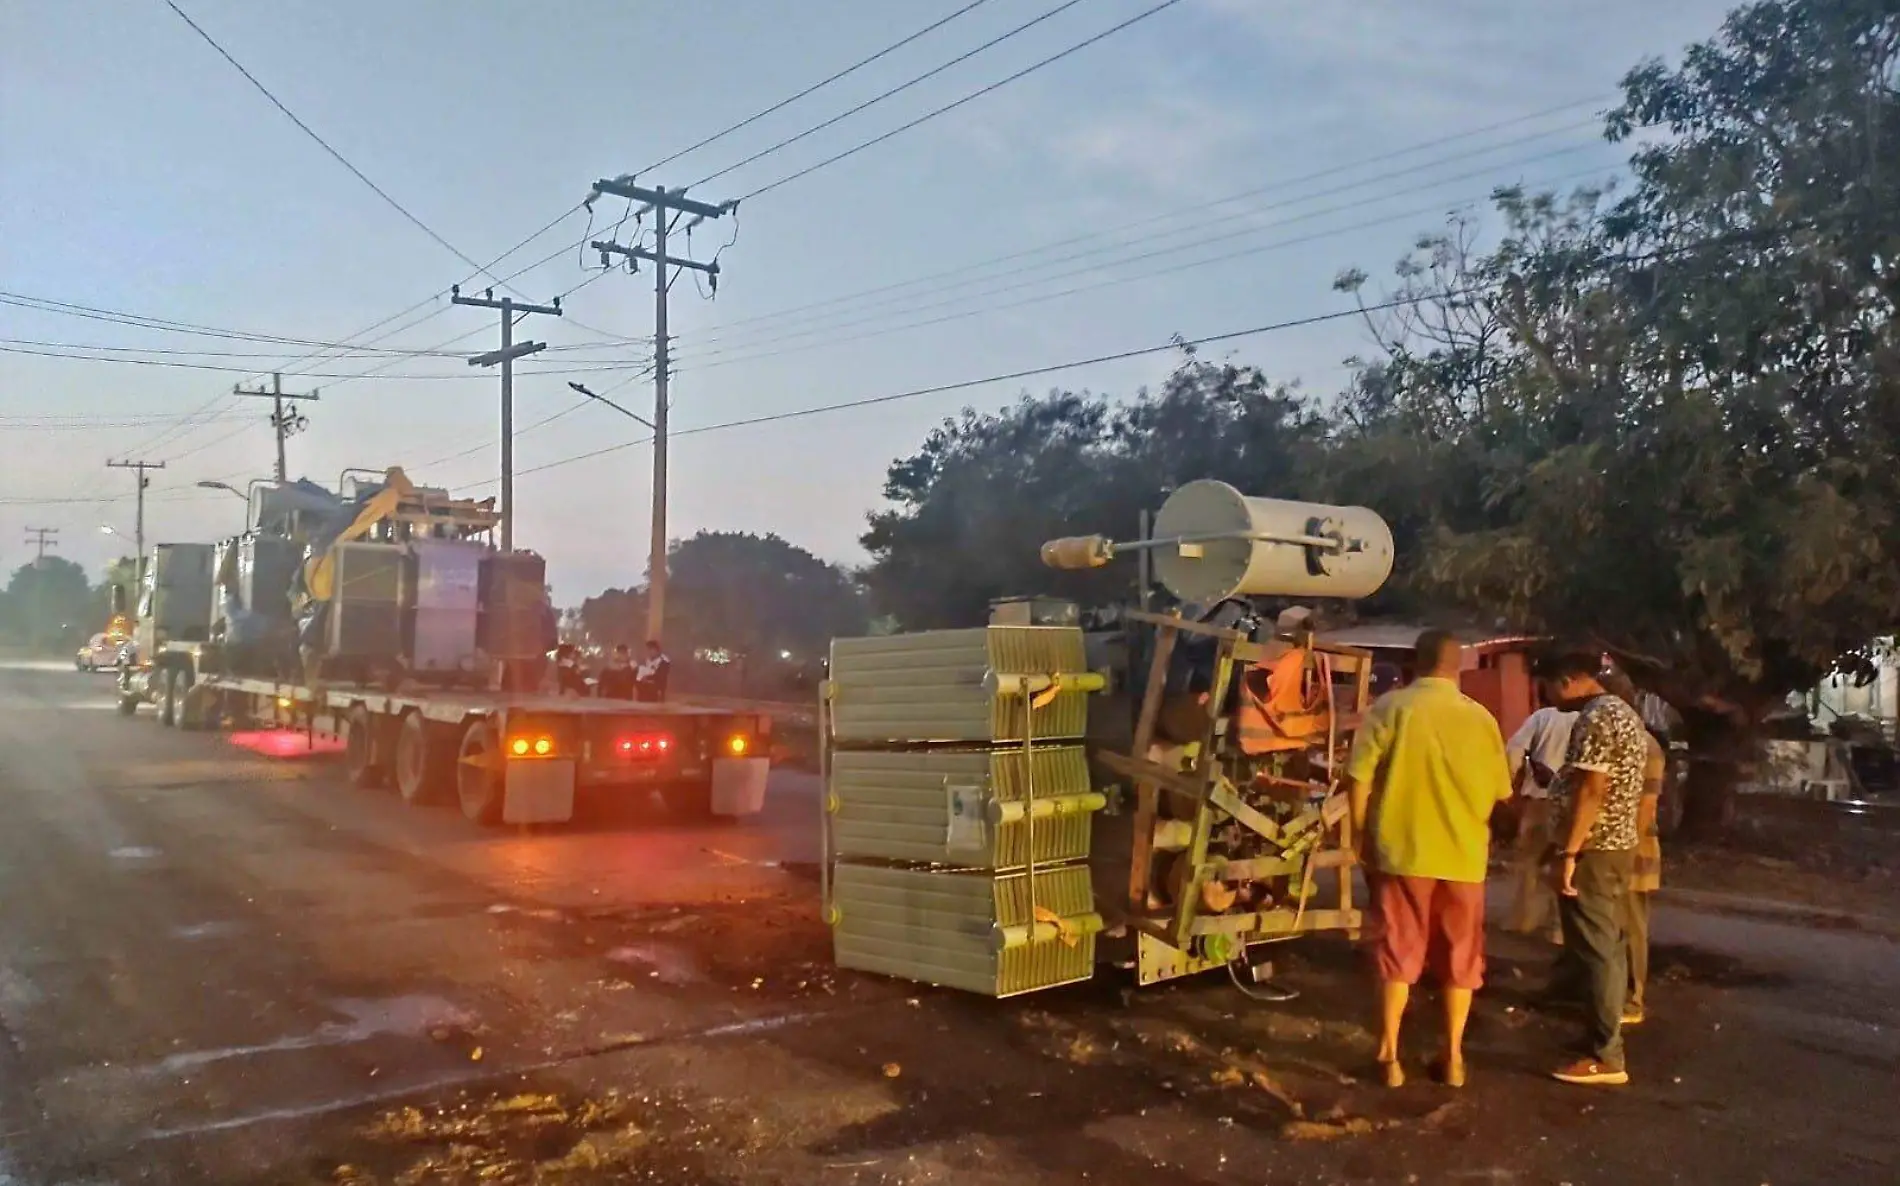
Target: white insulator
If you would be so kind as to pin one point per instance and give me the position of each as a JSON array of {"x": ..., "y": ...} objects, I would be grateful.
[{"x": 1231, "y": 559}]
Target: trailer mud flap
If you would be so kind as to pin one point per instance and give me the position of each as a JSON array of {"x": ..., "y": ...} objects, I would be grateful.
[
  {"x": 538, "y": 792},
  {"x": 738, "y": 785}
]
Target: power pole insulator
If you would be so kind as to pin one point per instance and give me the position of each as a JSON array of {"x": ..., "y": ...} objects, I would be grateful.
[{"x": 281, "y": 421}]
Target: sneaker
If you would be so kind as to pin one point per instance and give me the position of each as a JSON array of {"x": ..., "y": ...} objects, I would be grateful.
[{"x": 1590, "y": 1072}]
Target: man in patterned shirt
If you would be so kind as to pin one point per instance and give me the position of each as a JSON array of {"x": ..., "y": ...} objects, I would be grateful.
[{"x": 1597, "y": 794}]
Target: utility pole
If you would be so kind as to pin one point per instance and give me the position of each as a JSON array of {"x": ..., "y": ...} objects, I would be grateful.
[
  {"x": 506, "y": 357},
  {"x": 666, "y": 204},
  {"x": 42, "y": 538},
  {"x": 284, "y": 423},
  {"x": 138, "y": 525}
]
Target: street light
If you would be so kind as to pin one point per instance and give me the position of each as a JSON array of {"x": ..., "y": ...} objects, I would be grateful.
[
  {"x": 108, "y": 530},
  {"x": 208, "y": 484},
  {"x": 582, "y": 389}
]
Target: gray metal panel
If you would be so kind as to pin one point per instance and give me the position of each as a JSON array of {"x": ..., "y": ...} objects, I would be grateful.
[
  {"x": 932, "y": 806},
  {"x": 540, "y": 791},
  {"x": 182, "y": 590},
  {"x": 938, "y": 926},
  {"x": 931, "y": 686}
]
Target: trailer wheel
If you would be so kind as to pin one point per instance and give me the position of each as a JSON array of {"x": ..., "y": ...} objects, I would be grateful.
[
  {"x": 188, "y": 712},
  {"x": 168, "y": 697},
  {"x": 360, "y": 758},
  {"x": 424, "y": 762},
  {"x": 479, "y": 777}
]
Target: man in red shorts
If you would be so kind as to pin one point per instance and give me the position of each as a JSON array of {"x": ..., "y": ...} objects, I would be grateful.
[{"x": 1427, "y": 769}]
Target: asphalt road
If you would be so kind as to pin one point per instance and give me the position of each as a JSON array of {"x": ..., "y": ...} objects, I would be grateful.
[{"x": 221, "y": 964}]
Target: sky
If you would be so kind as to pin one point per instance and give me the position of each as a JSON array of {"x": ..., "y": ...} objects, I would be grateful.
[{"x": 1209, "y": 168}]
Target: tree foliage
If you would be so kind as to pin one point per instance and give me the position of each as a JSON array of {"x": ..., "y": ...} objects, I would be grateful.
[
  {"x": 49, "y": 603},
  {"x": 750, "y": 599},
  {"x": 1664, "y": 419},
  {"x": 973, "y": 506}
]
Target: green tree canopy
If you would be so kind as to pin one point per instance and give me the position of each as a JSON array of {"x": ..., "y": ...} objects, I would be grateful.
[
  {"x": 747, "y": 595},
  {"x": 972, "y": 508},
  {"x": 1663, "y": 419},
  {"x": 1669, "y": 423},
  {"x": 49, "y": 602}
]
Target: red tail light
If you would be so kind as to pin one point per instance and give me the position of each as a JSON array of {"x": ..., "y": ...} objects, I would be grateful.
[{"x": 644, "y": 745}]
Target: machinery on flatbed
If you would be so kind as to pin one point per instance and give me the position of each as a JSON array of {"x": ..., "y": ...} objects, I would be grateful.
[
  {"x": 1010, "y": 805},
  {"x": 380, "y": 614}
]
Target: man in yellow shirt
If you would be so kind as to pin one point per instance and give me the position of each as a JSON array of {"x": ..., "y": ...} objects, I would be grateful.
[{"x": 1427, "y": 769}]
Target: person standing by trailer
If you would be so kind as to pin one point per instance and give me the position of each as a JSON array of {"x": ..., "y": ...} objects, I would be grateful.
[
  {"x": 566, "y": 677},
  {"x": 1426, "y": 772},
  {"x": 1599, "y": 794},
  {"x": 650, "y": 677},
  {"x": 1536, "y": 752},
  {"x": 616, "y": 681},
  {"x": 1646, "y": 879}
]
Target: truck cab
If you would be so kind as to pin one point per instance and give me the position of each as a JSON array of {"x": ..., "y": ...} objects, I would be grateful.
[{"x": 172, "y": 625}]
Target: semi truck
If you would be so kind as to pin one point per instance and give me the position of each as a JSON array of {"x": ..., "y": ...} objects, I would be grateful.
[{"x": 381, "y": 614}]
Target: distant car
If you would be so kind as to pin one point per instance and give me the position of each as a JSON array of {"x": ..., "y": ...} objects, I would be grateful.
[{"x": 100, "y": 653}]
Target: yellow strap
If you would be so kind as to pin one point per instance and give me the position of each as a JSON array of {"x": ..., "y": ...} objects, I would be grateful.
[{"x": 1065, "y": 930}]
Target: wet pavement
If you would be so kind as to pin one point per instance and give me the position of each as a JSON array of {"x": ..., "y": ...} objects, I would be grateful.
[{"x": 220, "y": 963}]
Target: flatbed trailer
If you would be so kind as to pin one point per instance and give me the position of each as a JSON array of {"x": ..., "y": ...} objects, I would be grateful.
[{"x": 504, "y": 758}]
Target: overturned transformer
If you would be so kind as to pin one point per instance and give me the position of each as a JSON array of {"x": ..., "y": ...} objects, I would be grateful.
[{"x": 1008, "y": 806}]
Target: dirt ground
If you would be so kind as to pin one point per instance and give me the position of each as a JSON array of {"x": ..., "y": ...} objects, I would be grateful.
[{"x": 220, "y": 964}]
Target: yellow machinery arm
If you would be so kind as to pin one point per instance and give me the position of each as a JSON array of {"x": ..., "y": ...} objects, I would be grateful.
[{"x": 319, "y": 572}]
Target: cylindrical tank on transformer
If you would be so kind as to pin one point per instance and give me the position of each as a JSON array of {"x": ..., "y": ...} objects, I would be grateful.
[{"x": 1240, "y": 549}]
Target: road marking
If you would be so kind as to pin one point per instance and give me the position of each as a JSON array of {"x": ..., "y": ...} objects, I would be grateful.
[
  {"x": 206, "y": 930},
  {"x": 133, "y": 852},
  {"x": 408, "y": 1016}
]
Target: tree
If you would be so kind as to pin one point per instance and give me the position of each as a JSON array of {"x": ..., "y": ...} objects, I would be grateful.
[
  {"x": 615, "y": 616},
  {"x": 47, "y": 603},
  {"x": 971, "y": 509},
  {"x": 751, "y": 600},
  {"x": 758, "y": 598},
  {"x": 1674, "y": 417}
]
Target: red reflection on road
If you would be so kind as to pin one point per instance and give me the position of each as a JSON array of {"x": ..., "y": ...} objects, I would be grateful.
[{"x": 283, "y": 743}]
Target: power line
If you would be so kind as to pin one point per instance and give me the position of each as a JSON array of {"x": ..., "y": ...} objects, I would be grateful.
[
  {"x": 214, "y": 442},
  {"x": 826, "y": 333},
  {"x": 189, "y": 423},
  {"x": 934, "y": 279},
  {"x": 489, "y": 442},
  {"x": 307, "y": 130},
  {"x": 341, "y": 377},
  {"x": 95, "y": 425},
  {"x": 896, "y": 90},
  {"x": 582, "y": 242},
  {"x": 1006, "y": 377},
  {"x": 952, "y": 106},
  {"x": 782, "y": 104},
  {"x": 167, "y": 325},
  {"x": 24, "y": 501},
  {"x": 379, "y": 191}
]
